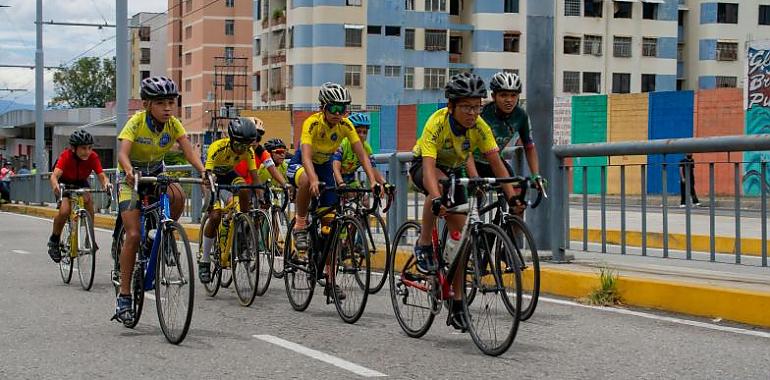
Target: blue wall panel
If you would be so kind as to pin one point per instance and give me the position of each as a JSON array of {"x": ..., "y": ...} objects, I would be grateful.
[
  {"x": 487, "y": 40},
  {"x": 665, "y": 82},
  {"x": 422, "y": 96},
  {"x": 488, "y": 6},
  {"x": 385, "y": 50},
  {"x": 332, "y": 35},
  {"x": 388, "y": 135},
  {"x": 707, "y": 82},
  {"x": 317, "y": 3},
  {"x": 382, "y": 90},
  {"x": 670, "y": 116},
  {"x": 708, "y": 13},
  {"x": 385, "y": 12},
  {"x": 423, "y": 58},
  {"x": 667, "y": 47},
  {"x": 307, "y": 75},
  {"x": 707, "y": 50},
  {"x": 428, "y": 20}
]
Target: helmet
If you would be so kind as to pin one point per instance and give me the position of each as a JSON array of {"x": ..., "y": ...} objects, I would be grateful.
[
  {"x": 274, "y": 143},
  {"x": 81, "y": 137},
  {"x": 154, "y": 88},
  {"x": 242, "y": 129},
  {"x": 360, "y": 120},
  {"x": 465, "y": 85},
  {"x": 505, "y": 81},
  {"x": 333, "y": 93}
]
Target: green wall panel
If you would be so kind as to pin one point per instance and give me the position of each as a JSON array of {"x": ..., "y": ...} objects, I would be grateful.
[{"x": 589, "y": 125}]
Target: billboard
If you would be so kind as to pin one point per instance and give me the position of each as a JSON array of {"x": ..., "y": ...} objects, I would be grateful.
[{"x": 757, "y": 106}]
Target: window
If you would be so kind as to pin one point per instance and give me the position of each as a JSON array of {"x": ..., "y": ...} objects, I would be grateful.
[
  {"x": 511, "y": 6},
  {"x": 621, "y": 47},
  {"x": 727, "y": 82},
  {"x": 572, "y": 82},
  {"x": 727, "y": 13},
  {"x": 572, "y": 7},
  {"x": 511, "y": 42},
  {"x": 144, "y": 74},
  {"x": 356, "y": 3},
  {"x": 188, "y": 6},
  {"x": 435, "y": 39},
  {"x": 727, "y": 51},
  {"x": 650, "y": 11},
  {"x": 621, "y": 83},
  {"x": 230, "y": 3},
  {"x": 257, "y": 46},
  {"x": 229, "y": 27},
  {"x": 764, "y": 15},
  {"x": 373, "y": 69},
  {"x": 392, "y": 71},
  {"x": 188, "y": 59},
  {"x": 188, "y": 84},
  {"x": 571, "y": 45},
  {"x": 455, "y": 45},
  {"x": 290, "y": 76},
  {"x": 453, "y": 72},
  {"x": 229, "y": 54},
  {"x": 592, "y": 82},
  {"x": 392, "y": 30},
  {"x": 435, "y": 5},
  {"x": 373, "y": 29},
  {"x": 229, "y": 81},
  {"x": 409, "y": 5},
  {"x": 623, "y": 9},
  {"x": 409, "y": 39},
  {"x": 258, "y": 16},
  {"x": 592, "y": 45},
  {"x": 188, "y": 32},
  {"x": 144, "y": 57},
  {"x": 434, "y": 78},
  {"x": 648, "y": 82},
  {"x": 353, "y": 36},
  {"x": 593, "y": 8},
  {"x": 408, "y": 77},
  {"x": 649, "y": 47},
  {"x": 454, "y": 7},
  {"x": 353, "y": 75},
  {"x": 291, "y": 37},
  {"x": 188, "y": 112},
  {"x": 144, "y": 33}
]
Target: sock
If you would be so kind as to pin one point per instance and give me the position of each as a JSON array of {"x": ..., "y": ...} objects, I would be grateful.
[
  {"x": 301, "y": 222},
  {"x": 207, "y": 242}
]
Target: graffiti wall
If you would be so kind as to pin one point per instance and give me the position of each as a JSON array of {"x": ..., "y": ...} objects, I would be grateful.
[{"x": 757, "y": 106}]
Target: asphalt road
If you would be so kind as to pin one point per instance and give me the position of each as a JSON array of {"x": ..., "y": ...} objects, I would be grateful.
[{"x": 52, "y": 330}]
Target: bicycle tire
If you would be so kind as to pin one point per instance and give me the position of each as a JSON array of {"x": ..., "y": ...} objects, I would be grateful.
[
  {"x": 400, "y": 292},
  {"x": 212, "y": 287},
  {"x": 87, "y": 255},
  {"x": 491, "y": 299},
  {"x": 174, "y": 268},
  {"x": 379, "y": 255},
  {"x": 137, "y": 279},
  {"x": 352, "y": 270},
  {"x": 265, "y": 251},
  {"x": 279, "y": 227},
  {"x": 244, "y": 263},
  {"x": 65, "y": 264},
  {"x": 529, "y": 263},
  {"x": 299, "y": 274}
]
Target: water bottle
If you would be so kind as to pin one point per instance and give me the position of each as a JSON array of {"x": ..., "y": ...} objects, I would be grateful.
[
  {"x": 148, "y": 242},
  {"x": 452, "y": 246}
]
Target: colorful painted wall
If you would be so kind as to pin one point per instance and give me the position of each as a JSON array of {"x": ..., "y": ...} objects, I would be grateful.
[
  {"x": 589, "y": 125},
  {"x": 627, "y": 120}
]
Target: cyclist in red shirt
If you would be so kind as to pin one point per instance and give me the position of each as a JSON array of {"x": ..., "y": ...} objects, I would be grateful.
[
  {"x": 73, "y": 168},
  {"x": 261, "y": 157}
]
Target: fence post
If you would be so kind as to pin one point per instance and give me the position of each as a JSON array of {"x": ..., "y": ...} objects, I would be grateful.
[
  {"x": 195, "y": 199},
  {"x": 558, "y": 192},
  {"x": 397, "y": 212}
]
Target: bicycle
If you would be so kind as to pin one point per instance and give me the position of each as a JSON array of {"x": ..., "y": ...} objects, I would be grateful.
[
  {"x": 417, "y": 297},
  {"x": 162, "y": 264},
  {"x": 78, "y": 242},
  {"x": 278, "y": 227},
  {"x": 234, "y": 247},
  {"x": 349, "y": 267}
]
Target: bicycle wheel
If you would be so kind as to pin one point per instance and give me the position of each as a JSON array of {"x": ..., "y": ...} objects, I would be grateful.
[
  {"x": 490, "y": 323},
  {"x": 410, "y": 290},
  {"x": 86, "y": 250},
  {"x": 174, "y": 283},
  {"x": 65, "y": 264},
  {"x": 299, "y": 274},
  {"x": 525, "y": 255},
  {"x": 243, "y": 259},
  {"x": 351, "y": 266},
  {"x": 379, "y": 246},
  {"x": 137, "y": 279},
  {"x": 211, "y": 287},
  {"x": 264, "y": 251},
  {"x": 278, "y": 231}
]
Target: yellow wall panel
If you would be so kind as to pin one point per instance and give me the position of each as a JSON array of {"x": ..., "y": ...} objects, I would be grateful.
[
  {"x": 277, "y": 123},
  {"x": 627, "y": 120}
]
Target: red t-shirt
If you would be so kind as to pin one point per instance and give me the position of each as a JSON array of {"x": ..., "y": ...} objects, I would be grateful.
[
  {"x": 76, "y": 170},
  {"x": 260, "y": 155}
]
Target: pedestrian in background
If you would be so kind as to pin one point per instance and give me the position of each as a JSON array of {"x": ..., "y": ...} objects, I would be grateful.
[
  {"x": 5, "y": 182},
  {"x": 687, "y": 163}
]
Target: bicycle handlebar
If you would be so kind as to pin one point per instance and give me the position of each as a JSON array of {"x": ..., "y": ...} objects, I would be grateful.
[{"x": 63, "y": 188}]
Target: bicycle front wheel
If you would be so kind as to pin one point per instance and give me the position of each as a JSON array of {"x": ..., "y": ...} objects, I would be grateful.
[
  {"x": 525, "y": 255},
  {"x": 299, "y": 273},
  {"x": 351, "y": 267},
  {"x": 65, "y": 247},
  {"x": 264, "y": 251},
  {"x": 86, "y": 250},
  {"x": 243, "y": 259},
  {"x": 211, "y": 287},
  {"x": 379, "y": 246},
  {"x": 278, "y": 231},
  {"x": 174, "y": 283}
]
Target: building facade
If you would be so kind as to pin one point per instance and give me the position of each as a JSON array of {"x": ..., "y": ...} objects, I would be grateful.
[{"x": 148, "y": 47}]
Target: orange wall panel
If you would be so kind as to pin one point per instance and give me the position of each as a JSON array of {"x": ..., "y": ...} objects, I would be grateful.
[{"x": 406, "y": 127}]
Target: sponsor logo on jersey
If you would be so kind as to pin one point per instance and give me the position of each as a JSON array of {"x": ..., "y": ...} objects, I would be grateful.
[{"x": 165, "y": 139}]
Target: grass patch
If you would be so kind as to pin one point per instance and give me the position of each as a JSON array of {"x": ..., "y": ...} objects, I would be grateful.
[{"x": 607, "y": 293}]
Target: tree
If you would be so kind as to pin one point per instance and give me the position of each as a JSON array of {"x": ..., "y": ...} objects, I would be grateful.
[{"x": 89, "y": 82}]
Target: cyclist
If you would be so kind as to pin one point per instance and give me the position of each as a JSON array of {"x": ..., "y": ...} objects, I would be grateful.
[
  {"x": 222, "y": 157},
  {"x": 277, "y": 150},
  {"x": 345, "y": 161},
  {"x": 262, "y": 159},
  {"x": 73, "y": 167},
  {"x": 445, "y": 146},
  {"x": 322, "y": 134},
  {"x": 144, "y": 142}
]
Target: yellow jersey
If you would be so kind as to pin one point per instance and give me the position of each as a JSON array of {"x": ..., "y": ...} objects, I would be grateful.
[
  {"x": 325, "y": 138},
  {"x": 449, "y": 143},
  {"x": 150, "y": 147},
  {"x": 264, "y": 174},
  {"x": 222, "y": 160}
]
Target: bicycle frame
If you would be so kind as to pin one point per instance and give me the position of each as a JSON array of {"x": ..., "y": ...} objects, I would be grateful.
[{"x": 161, "y": 210}]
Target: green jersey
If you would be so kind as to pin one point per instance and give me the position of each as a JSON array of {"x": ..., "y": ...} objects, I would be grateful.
[
  {"x": 505, "y": 129},
  {"x": 348, "y": 158}
]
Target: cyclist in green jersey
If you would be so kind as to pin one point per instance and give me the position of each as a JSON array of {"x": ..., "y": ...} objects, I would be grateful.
[{"x": 345, "y": 162}]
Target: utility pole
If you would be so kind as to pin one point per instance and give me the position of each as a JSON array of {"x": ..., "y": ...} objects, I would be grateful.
[
  {"x": 39, "y": 88},
  {"x": 122, "y": 88}
]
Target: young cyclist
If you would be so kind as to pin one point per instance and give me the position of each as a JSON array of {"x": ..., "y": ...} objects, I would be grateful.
[
  {"x": 445, "y": 147},
  {"x": 277, "y": 150},
  {"x": 322, "y": 134},
  {"x": 144, "y": 142},
  {"x": 73, "y": 167},
  {"x": 222, "y": 157},
  {"x": 345, "y": 161},
  {"x": 262, "y": 159}
]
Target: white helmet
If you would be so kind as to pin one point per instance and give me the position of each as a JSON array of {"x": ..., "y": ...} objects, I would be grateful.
[
  {"x": 505, "y": 81},
  {"x": 333, "y": 93}
]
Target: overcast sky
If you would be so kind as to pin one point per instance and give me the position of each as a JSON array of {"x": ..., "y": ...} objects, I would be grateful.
[{"x": 60, "y": 43}]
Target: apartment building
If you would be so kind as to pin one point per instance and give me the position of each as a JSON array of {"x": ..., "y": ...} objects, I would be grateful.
[
  {"x": 148, "y": 47},
  {"x": 208, "y": 42}
]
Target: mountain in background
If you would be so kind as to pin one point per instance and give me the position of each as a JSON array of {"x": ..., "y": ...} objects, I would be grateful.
[{"x": 7, "y": 105}]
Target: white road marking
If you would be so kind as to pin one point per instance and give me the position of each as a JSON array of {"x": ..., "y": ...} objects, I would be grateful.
[
  {"x": 318, "y": 355},
  {"x": 20, "y": 251},
  {"x": 735, "y": 330}
]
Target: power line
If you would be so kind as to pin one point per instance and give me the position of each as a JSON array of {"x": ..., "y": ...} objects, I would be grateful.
[{"x": 99, "y": 11}]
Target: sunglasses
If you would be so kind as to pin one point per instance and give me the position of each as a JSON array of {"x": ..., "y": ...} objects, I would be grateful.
[
  {"x": 278, "y": 151},
  {"x": 337, "y": 109}
]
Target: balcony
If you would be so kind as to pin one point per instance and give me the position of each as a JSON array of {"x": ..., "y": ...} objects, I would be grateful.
[
  {"x": 278, "y": 18},
  {"x": 455, "y": 57},
  {"x": 276, "y": 95},
  {"x": 275, "y": 58}
]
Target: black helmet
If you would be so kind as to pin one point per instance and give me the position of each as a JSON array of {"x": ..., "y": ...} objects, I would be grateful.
[
  {"x": 274, "y": 143},
  {"x": 505, "y": 81},
  {"x": 465, "y": 85},
  {"x": 81, "y": 137},
  {"x": 333, "y": 93},
  {"x": 242, "y": 129},
  {"x": 155, "y": 88}
]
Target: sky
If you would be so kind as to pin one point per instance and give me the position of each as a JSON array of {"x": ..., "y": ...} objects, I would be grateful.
[{"x": 61, "y": 44}]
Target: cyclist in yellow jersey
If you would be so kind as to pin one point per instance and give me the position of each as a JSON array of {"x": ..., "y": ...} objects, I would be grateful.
[
  {"x": 277, "y": 150},
  {"x": 450, "y": 136},
  {"x": 144, "y": 142}
]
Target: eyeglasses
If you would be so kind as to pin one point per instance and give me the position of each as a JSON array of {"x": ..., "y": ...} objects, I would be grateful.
[
  {"x": 240, "y": 145},
  {"x": 337, "y": 109},
  {"x": 470, "y": 109},
  {"x": 278, "y": 151}
]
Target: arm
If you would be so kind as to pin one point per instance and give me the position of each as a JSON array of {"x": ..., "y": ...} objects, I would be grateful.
[
  {"x": 534, "y": 165},
  {"x": 125, "y": 162},
  {"x": 430, "y": 177},
  {"x": 500, "y": 171},
  {"x": 470, "y": 165},
  {"x": 104, "y": 180},
  {"x": 337, "y": 168},
  {"x": 358, "y": 147},
  {"x": 55, "y": 180}
]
